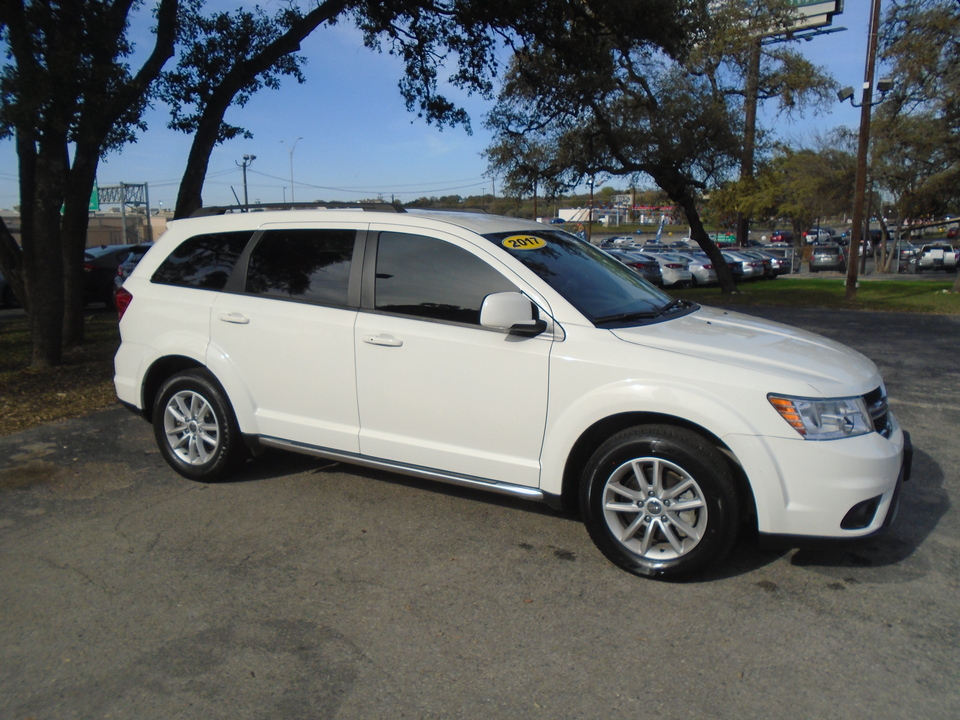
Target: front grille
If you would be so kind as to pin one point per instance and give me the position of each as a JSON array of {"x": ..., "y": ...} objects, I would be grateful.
[{"x": 879, "y": 411}]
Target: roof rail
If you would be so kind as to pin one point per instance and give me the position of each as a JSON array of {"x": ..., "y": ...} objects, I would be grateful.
[{"x": 365, "y": 206}]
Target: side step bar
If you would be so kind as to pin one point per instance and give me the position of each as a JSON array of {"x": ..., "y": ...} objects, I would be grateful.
[{"x": 469, "y": 481}]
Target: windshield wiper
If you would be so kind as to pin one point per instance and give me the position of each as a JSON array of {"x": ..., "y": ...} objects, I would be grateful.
[
  {"x": 646, "y": 314},
  {"x": 624, "y": 317},
  {"x": 672, "y": 305}
]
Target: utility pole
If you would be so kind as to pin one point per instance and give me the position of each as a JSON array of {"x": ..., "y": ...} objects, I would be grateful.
[
  {"x": 749, "y": 133},
  {"x": 247, "y": 161},
  {"x": 860, "y": 189}
]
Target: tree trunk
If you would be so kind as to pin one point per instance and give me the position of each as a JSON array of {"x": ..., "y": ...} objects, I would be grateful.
[
  {"x": 189, "y": 196},
  {"x": 41, "y": 186},
  {"x": 686, "y": 201},
  {"x": 76, "y": 219}
]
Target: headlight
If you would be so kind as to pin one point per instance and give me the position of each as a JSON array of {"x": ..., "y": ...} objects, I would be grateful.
[{"x": 827, "y": 419}]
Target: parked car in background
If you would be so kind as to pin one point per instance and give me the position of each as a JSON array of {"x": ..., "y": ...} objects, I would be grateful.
[
  {"x": 767, "y": 263},
  {"x": 749, "y": 268},
  {"x": 700, "y": 267},
  {"x": 674, "y": 269},
  {"x": 818, "y": 235},
  {"x": 621, "y": 241},
  {"x": 828, "y": 257},
  {"x": 7, "y": 298},
  {"x": 99, "y": 269},
  {"x": 128, "y": 264},
  {"x": 782, "y": 237},
  {"x": 935, "y": 256},
  {"x": 648, "y": 268}
]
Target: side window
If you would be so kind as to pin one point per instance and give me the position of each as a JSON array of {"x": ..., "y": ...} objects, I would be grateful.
[
  {"x": 203, "y": 261},
  {"x": 309, "y": 265},
  {"x": 430, "y": 278}
]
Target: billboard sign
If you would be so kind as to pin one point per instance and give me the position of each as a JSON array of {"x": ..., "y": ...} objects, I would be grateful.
[{"x": 812, "y": 14}]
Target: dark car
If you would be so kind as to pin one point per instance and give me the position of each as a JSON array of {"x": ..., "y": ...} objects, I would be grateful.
[
  {"x": 828, "y": 257},
  {"x": 100, "y": 266},
  {"x": 781, "y": 236},
  {"x": 7, "y": 298},
  {"x": 649, "y": 269},
  {"x": 129, "y": 263}
]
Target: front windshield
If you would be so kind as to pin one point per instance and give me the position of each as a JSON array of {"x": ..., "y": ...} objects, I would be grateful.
[{"x": 606, "y": 291}]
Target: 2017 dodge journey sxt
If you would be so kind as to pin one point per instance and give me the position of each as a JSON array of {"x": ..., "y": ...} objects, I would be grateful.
[{"x": 505, "y": 355}]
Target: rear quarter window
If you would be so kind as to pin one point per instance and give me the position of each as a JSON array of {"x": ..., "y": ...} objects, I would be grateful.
[{"x": 203, "y": 261}]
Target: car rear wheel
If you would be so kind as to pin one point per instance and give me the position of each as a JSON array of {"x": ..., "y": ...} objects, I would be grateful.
[
  {"x": 659, "y": 501},
  {"x": 195, "y": 427}
]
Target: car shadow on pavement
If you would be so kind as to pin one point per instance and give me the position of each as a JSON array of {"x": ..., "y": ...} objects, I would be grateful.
[{"x": 923, "y": 502}]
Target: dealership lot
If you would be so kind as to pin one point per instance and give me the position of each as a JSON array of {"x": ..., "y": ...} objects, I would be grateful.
[{"x": 305, "y": 589}]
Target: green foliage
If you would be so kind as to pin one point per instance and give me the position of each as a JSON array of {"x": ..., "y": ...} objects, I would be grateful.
[
  {"x": 916, "y": 132},
  {"x": 216, "y": 47},
  {"x": 797, "y": 185}
]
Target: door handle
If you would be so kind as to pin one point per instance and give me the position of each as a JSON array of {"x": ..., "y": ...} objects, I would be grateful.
[
  {"x": 234, "y": 318},
  {"x": 385, "y": 340}
]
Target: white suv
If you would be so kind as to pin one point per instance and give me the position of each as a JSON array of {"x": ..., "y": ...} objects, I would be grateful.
[{"x": 506, "y": 355}]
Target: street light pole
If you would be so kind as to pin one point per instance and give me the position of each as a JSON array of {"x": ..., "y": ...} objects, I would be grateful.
[
  {"x": 292, "y": 148},
  {"x": 860, "y": 189}
]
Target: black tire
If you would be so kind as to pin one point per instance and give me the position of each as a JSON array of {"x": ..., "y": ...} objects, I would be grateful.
[
  {"x": 629, "y": 497},
  {"x": 195, "y": 427}
]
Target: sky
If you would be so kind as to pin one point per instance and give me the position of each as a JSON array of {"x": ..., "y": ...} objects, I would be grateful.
[{"x": 345, "y": 133}]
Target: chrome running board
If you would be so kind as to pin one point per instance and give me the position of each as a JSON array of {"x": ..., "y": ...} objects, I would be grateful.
[{"x": 469, "y": 481}]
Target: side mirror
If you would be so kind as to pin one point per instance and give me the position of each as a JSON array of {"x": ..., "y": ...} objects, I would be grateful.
[{"x": 512, "y": 313}]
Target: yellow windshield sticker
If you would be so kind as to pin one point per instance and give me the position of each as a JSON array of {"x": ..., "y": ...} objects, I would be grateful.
[{"x": 524, "y": 242}]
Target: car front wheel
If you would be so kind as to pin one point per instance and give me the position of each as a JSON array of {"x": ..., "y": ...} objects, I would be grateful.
[
  {"x": 195, "y": 427},
  {"x": 659, "y": 501}
]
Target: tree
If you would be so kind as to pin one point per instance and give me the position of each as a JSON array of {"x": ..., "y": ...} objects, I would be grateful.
[
  {"x": 800, "y": 184},
  {"x": 627, "y": 104},
  {"x": 527, "y": 163},
  {"x": 916, "y": 136},
  {"x": 230, "y": 56},
  {"x": 67, "y": 96},
  {"x": 226, "y": 59}
]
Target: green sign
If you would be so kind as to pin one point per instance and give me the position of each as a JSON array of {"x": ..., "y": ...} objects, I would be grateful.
[{"x": 95, "y": 198}]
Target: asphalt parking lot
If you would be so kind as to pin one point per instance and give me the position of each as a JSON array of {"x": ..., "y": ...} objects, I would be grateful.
[{"x": 310, "y": 590}]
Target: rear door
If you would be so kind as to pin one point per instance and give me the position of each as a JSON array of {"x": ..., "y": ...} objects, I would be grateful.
[{"x": 284, "y": 338}]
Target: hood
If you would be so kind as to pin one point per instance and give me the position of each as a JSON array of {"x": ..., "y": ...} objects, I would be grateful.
[{"x": 751, "y": 343}]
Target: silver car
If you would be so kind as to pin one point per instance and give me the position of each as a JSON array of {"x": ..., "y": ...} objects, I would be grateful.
[
  {"x": 674, "y": 270},
  {"x": 750, "y": 268},
  {"x": 700, "y": 266}
]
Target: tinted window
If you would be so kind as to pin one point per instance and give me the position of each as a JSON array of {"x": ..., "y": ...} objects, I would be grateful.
[
  {"x": 203, "y": 261},
  {"x": 603, "y": 289},
  {"x": 309, "y": 265},
  {"x": 431, "y": 278}
]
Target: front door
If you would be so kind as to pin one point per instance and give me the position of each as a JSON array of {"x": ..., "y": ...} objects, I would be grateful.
[{"x": 435, "y": 389}]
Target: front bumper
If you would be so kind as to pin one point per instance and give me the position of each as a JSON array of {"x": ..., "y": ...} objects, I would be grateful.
[{"x": 829, "y": 489}]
